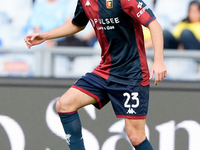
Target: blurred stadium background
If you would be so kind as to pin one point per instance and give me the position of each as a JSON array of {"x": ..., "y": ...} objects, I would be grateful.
[{"x": 31, "y": 80}]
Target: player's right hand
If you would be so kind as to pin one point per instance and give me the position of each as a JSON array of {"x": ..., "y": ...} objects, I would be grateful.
[{"x": 33, "y": 39}]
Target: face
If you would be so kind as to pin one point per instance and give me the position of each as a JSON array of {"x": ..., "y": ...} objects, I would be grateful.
[{"x": 194, "y": 13}]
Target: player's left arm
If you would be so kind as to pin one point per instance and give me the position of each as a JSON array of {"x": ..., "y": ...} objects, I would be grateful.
[{"x": 158, "y": 67}]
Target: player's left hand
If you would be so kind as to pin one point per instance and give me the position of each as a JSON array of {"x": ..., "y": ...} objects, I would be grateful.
[{"x": 160, "y": 71}]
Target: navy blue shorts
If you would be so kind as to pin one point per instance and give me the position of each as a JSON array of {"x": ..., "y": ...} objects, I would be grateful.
[{"x": 128, "y": 101}]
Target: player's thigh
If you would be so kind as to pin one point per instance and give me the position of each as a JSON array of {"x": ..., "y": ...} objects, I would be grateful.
[
  {"x": 73, "y": 99},
  {"x": 135, "y": 129}
]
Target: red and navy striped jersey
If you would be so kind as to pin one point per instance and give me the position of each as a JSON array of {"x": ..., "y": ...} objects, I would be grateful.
[{"x": 117, "y": 24}]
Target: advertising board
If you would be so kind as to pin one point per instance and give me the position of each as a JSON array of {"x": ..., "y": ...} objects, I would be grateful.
[{"x": 29, "y": 121}]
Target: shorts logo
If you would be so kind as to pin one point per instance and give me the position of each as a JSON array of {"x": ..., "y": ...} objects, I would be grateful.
[
  {"x": 131, "y": 111},
  {"x": 132, "y": 101},
  {"x": 109, "y": 4}
]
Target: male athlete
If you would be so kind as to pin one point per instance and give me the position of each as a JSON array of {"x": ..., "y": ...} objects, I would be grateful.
[{"x": 122, "y": 76}]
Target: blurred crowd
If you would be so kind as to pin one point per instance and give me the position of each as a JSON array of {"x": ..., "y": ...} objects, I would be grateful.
[
  {"x": 180, "y": 20},
  {"x": 21, "y": 17}
]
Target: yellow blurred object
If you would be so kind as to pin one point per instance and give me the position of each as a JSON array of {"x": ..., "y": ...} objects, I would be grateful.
[
  {"x": 146, "y": 32},
  {"x": 193, "y": 27}
]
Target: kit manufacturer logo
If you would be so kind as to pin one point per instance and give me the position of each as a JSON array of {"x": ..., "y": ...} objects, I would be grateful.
[{"x": 87, "y": 3}]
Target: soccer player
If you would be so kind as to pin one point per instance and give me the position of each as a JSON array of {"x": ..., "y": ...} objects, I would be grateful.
[{"x": 122, "y": 76}]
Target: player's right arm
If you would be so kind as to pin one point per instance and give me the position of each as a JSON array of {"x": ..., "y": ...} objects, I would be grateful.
[{"x": 66, "y": 29}]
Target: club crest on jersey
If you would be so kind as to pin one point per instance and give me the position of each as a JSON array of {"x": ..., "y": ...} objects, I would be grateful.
[{"x": 109, "y": 4}]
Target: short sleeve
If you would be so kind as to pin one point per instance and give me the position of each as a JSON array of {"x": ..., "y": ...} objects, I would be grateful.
[
  {"x": 80, "y": 18},
  {"x": 138, "y": 10}
]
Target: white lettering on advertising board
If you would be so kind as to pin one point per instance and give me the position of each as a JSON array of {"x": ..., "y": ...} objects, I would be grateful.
[{"x": 166, "y": 131}]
